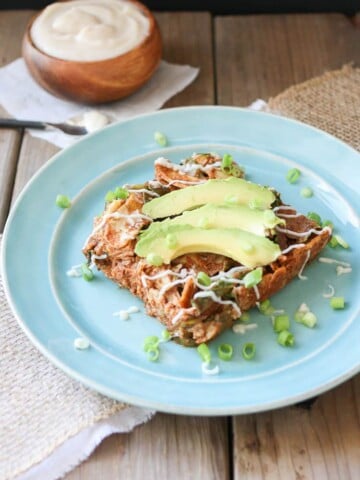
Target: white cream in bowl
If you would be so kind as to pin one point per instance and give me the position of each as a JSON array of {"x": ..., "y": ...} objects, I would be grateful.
[{"x": 89, "y": 30}]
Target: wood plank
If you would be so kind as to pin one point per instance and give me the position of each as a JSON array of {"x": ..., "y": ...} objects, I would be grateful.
[
  {"x": 295, "y": 443},
  {"x": 187, "y": 39},
  {"x": 12, "y": 25},
  {"x": 168, "y": 447},
  {"x": 258, "y": 56}
]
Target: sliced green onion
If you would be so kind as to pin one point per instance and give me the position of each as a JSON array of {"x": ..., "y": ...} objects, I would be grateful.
[
  {"x": 121, "y": 193},
  {"x": 341, "y": 241},
  {"x": 236, "y": 171},
  {"x": 309, "y": 319},
  {"x": 110, "y": 196},
  {"x": 227, "y": 161},
  {"x": 160, "y": 139},
  {"x": 203, "y": 279},
  {"x": 204, "y": 352},
  {"x": 281, "y": 323},
  {"x": 253, "y": 278},
  {"x": 150, "y": 342},
  {"x": 306, "y": 192},
  {"x": 293, "y": 175},
  {"x": 328, "y": 223},
  {"x": 152, "y": 353},
  {"x": 225, "y": 351},
  {"x": 86, "y": 272},
  {"x": 337, "y": 303},
  {"x": 248, "y": 351},
  {"x": 63, "y": 201},
  {"x": 333, "y": 242},
  {"x": 245, "y": 317},
  {"x": 154, "y": 259},
  {"x": 314, "y": 217},
  {"x": 171, "y": 240},
  {"x": 286, "y": 339},
  {"x": 166, "y": 335},
  {"x": 266, "y": 308}
]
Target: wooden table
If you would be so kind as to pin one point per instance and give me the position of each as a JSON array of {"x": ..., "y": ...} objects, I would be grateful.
[{"x": 241, "y": 58}]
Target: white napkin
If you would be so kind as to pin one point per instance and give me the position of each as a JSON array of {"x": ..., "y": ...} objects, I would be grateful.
[{"x": 23, "y": 98}]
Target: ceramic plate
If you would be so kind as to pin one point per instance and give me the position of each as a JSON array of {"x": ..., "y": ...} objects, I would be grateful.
[{"x": 42, "y": 242}]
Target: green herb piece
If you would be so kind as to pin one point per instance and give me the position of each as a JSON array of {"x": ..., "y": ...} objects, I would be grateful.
[
  {"x": 245, "y": 317},
  {"x": 121, "y": 193},
  {"x": 203, "y": 279},
  {"x": 86, "y": 272},
  {"x": 337, "y": 303},
  {"x": 152, "y": 353},
  {"x": 306, "y": 192},
  {"x": 110, "y": 196},
  {"x": 282, "y": 322},
  {"x": 328, "y": 223},
  {"x": 204, "y": 352},
  {"x": 150, "y": 342},
  {"x": 266, "y": 308},
  {"x": 253, "y": 278},
  {"x": 160, "y": 139},
  {"x": 236, "y": 171},
  {"x": 308, "y": 319},
  {"x": 286, "y": 339},
  {"x": 166, "y": 335},
  {"x": 248, "y": 351},
  {"x": 226, "y": 162},
  {"x": 63, "y": 201},
  {"x": 314, "y": 217},
  {"x": 154, "y": 259},
  {"x": 225, "y": 351},
  {"x": 293, "y": 175},
  {"x": 341, "y": 241},
  {"x": 333, "y": 242}
]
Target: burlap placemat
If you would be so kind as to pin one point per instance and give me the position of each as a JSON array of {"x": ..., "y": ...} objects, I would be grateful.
[
  {"x": 330, "y": 102},
  {"x": 40, "y": 407}
]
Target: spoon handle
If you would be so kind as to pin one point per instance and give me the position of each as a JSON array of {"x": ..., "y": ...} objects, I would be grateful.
[{"x": 14, "y": 123}]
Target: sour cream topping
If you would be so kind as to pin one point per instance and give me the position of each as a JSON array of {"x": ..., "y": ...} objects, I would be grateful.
[{"x": 89, "y": 30}]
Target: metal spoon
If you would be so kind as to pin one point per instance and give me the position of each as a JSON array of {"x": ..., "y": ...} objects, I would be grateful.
[{"x": 64, "y": 127}]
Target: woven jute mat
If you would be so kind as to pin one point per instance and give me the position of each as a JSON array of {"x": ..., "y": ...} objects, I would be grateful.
[
  {"x": 330, "y": 102},
  {"x": 40, "y": 407}
]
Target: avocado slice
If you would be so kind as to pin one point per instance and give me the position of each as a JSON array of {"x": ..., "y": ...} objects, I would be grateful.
[
  {"x": 234, "y": 190},
  {"x": 171, "y": 241},
  {"x": 223, "y": 216}
]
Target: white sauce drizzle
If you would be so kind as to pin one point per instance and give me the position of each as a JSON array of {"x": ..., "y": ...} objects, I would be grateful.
[
  {"x": 332, "y": 260},
  {"x": 286, "y": 215},
  {"x": 292, "y": 247},
  {"x": 167, "y": 287},
  {"x": 177, "y": 317},
  {"x": 182, "y": 274},
  {"x": 143, "y": 190},
  {"x": 331, "y": 293},
  {"x": 209, "y": 371},
  {"x": 187, "y": 168},
  {"x": 217, "y": 299},
  {"x": 300, "y": 275},
  {"x": 257, "y": 293},
  {"x": 75, "y": 271},
  {"x": 242, "y": 329},
  {"x": 302, "y": 234},
  {"x": 340, "y": 270}
]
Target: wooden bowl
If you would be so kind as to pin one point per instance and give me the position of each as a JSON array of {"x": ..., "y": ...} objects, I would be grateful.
[{"x": 96, "y": 81}]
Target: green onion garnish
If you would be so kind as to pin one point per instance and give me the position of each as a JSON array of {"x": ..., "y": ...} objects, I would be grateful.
[
  {"x": 203, "y": 279},
  {"x": 160, "y": 139},
  {"x": 63, "y": 201},
  {"x": 225, "y": 351},
  {"x": 266, "y": 308},
  {"x": 333, "y": 242},
  {"x": 154, "y": 259},
  {"x": 166, "y": 335},
  {"x": 150, "y": 342},
  {"x": 248, "y": 351},
  {"x": 337, "y": 303},
  {"x": 328, "y": 223},
  {"x": 286, "y": 339},
  {"x": 245, "y": 317},
  {"x": 236, "y": 171},
  {"x": 308, "y": 319},
  {"x": 152, "y": 353},
  {"x": 306, "y": 192},
  {"x": 118, "y": 194},
  {"x": 226, "y": 162},
  {"x": 293, "y": 175},
  {"x": 341, "y": 241},
  {"x": 110, "y": 196},
  {"x": 86, "y": 272},
  {"x": 282, "y": 322},
  {"x": 253, "y": 278},
  {"x": 204, "y": 352},
  {"x": 314, "y": 217}
]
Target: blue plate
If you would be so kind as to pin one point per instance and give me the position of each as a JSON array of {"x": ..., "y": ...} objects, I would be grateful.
[{"x": 41, "y": 243}]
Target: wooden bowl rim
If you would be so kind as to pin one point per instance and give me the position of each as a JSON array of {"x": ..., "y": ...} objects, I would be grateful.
[{"x": 152, "y": 29}]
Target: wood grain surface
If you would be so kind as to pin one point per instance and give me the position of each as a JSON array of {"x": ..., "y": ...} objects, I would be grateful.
[{"x": 240, "y": 58}]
